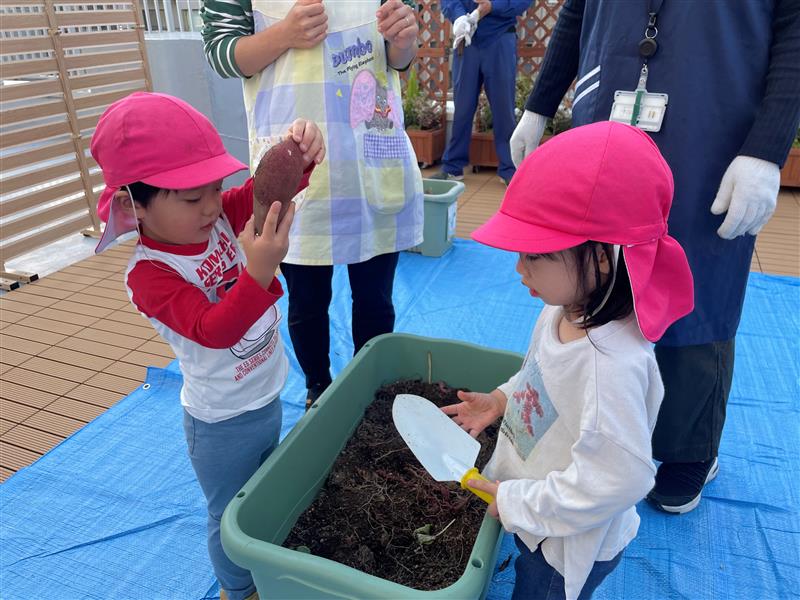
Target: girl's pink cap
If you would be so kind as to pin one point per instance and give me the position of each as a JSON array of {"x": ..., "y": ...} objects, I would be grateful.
[
  {"x": 159, "y": 140},
  {"x": 605, "y": 182}
]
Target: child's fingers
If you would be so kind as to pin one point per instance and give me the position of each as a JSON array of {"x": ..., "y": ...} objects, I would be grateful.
[
  {"x": 484, "y": 486},
  {"x": 451, "y": 409},
  {"x": 249, "y": 231},
  {"x": 297, "y": 131},
  {"x": 271, "y": 220},
  {"x": 466, "y": 396},
  {"x": 316, "y": 149}
]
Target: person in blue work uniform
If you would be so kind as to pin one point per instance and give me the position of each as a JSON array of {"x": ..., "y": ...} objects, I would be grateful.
[
  {"x": 486, "y": 57},
  {"x": 717, "y": 86}
]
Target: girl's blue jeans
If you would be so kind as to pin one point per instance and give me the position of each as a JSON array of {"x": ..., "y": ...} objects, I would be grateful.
[
  {"x": 537, "y": 580},
  {"x": 224, "y": 455}
]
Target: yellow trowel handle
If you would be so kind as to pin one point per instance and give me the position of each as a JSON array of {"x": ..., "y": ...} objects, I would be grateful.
[{"x": 473, "y": 473}]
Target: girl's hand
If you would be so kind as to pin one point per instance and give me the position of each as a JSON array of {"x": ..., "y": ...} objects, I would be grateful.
[
  {"x": 306, "y": 24},
  {"x": 266, "y": 251},
  {"x": 397, "y": 23},
  {"x": 476, "y": 411},
  {"x": 309, "y": 138},
  {"x": 491, "y": 488}
]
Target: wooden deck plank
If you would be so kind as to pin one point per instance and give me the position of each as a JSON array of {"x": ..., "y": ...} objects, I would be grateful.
[
  {"x": 48, "y": 325},
  {"x": 63, "y": 316},
  {"x": 23, "y": 295},
  {"x": 5, "y": 425},
  {"x": 129, "y": 370},
  {"x": 15, "y": 458},
  {"x": 72, "y": 278},
  {"x": 108, "y": 305},
  {"x": 146, "y": 359},
  {"x": 129, "y": 318},
  {"x": 38, "y": 381},
  {"x": 58, "y": 424},
  {"x": 75, "y": 409},
  {"x": 8, "y": 317},
  {"x": 35, "y": 440},
  {"x": 20, "y": 393},
  {"x": 93, "y": 348},
  {"x": 156, "y": 347},
  {"x": 12, "y": 357},
  {"x": 106, "y": 337},
  {"x": 82, "y": 309},
  {"x": 143, "y": 332},
  {"x": 15, "y": 411},
  {"x": 46, "y": 283},
  {"x": 38, "y": 290},
  {"x": 57, "y": 369},
  {"x": 98, "y": 396},
  {"x": 98, "y": 292},
  {"x": 10, "y": 302},
  {"x": 78, "y": 359},
  {"x": 21, "y": 344},
  {"x": 106, "y": 381}
]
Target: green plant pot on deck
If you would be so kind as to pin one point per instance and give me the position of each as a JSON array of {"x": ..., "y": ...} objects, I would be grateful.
[
  {"x": 260, "y": 517},
  {"x": 441, "y": 206}
]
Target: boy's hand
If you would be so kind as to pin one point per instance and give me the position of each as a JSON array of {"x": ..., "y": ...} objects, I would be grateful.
[
  {"x": 309, "y": 138},
  {"x": 306, "y": 24},
  {"x": 266, "y": 251},
  {"x": 476, "y": 411},
  {"x": 491, "y": 488},
  {"x": 397, "y": 23},
  {"x": 484, "y": 7}
]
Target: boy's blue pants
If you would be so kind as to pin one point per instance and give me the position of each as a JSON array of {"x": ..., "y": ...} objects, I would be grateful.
[
  {"x": 224, "y": 456},
  {"x": 494, "y": 67}
]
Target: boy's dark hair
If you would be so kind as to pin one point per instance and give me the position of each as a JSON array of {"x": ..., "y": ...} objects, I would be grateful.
[
  {"x": 142, "y": 193},
  {"x": 620, "y": 302}
]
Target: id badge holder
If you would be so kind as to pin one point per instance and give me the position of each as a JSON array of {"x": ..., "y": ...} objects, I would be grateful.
[{"x": 640, "y": 108}]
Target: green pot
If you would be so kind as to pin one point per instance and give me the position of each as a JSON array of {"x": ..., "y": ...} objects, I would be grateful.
[{"x": 261, "y": 515}]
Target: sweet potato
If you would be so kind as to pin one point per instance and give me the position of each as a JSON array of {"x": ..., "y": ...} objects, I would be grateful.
[{"x": 276, "y": 178}]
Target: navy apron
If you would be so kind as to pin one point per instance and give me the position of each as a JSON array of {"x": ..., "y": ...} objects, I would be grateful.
[{"x": 712, "y": 60}]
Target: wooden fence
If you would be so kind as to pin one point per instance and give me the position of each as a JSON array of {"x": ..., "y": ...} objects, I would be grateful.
[
  {"x": 534, "y": 28},
  {"x": 61, "y": 65}
]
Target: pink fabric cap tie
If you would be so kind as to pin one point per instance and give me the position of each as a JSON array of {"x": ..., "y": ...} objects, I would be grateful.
[{"x": 606, "y": 182}]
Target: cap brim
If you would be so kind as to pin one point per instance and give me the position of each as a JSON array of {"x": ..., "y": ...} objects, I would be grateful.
[
  {"x": 661, "y": 283},
  {"x": 508, "y": 233},
  {"x": 197, "y": 174}
]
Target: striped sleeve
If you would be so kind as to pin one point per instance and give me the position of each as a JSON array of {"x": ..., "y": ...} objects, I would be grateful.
[{"x": 224, "y": 22}]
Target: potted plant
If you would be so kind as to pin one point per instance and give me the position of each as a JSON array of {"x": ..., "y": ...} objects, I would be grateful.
[
  {"x": 424, "y": 123},
  {"x": 790, "y": 174}
]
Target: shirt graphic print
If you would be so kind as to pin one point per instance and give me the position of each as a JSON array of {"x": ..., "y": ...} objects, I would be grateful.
[{"x": 529, "y": 411}]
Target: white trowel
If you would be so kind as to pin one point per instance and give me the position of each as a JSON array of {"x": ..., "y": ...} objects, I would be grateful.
[{"x": 446, "y": 451}]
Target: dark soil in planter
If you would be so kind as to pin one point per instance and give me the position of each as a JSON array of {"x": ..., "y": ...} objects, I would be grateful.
[{"x": 377, "y": 494}]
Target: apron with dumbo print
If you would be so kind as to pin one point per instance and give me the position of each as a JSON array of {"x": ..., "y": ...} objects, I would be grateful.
[{"x": 366, "y": 197}]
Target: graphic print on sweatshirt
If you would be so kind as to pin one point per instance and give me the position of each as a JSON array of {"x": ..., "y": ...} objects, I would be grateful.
[{"x": 529, "y": 411}]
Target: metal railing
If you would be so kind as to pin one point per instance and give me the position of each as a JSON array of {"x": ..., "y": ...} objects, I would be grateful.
[{"x": 171, "y": 16}]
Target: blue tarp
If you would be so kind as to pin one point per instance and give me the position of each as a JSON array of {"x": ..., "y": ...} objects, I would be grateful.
[{"x": 115, "y": 512}]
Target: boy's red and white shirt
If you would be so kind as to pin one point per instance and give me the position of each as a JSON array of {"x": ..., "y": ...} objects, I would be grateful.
[{"x": 221, "y": 324}]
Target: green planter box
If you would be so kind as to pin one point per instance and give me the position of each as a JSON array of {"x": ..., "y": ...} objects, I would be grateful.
[
  {"x": 260, "y": 517},
  {"x": 441, "y": 206}
]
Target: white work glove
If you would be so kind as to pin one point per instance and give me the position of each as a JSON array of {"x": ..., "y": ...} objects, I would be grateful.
[
  {"x": 749, "y": 192},
  {"x": 464, "y": 28},
  {"x": 527, "y": 135}
]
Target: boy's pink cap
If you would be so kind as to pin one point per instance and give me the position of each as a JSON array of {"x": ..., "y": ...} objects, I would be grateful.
[
  {"x": 605, "y": 182},
  {"x": 159, "y": 140}
]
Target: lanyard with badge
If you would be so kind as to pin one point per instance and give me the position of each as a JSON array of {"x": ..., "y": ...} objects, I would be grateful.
[{"x": 641, "y": 108}]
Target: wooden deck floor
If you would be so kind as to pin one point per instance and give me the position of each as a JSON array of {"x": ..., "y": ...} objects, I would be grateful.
[{"x": 71, "y": 345}]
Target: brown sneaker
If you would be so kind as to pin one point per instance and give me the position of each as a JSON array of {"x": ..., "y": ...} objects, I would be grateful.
[{"x": 314, "y": 392}]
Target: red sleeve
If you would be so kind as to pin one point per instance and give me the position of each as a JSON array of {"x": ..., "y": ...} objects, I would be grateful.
[
  {"x": 237, "y": 203},
  {"x": 161, "y": 293}
]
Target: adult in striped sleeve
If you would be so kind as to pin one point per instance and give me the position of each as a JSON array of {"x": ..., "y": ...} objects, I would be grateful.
[{"x": 336, "y": 62}]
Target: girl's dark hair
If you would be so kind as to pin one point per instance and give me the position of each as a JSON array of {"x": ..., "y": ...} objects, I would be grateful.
[
  {"x": 620, "y": 302},
  {"x": 142, "y": 193}
]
